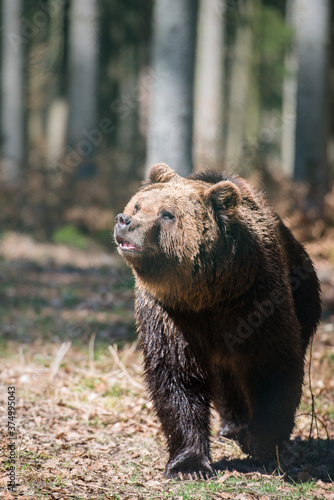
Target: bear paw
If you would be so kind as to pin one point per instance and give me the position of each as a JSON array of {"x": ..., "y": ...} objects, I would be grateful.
[
  {"x": 189, "y": 467},
  {"x": 260, "y": 447}
]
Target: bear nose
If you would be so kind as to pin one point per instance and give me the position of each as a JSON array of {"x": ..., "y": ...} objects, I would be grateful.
[{"x": 123, "y": 220}]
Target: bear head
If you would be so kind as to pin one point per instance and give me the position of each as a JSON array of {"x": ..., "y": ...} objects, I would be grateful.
[{"x": 174, "y": 234}]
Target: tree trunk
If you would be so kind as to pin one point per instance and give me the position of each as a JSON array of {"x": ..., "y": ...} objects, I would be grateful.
[
  {"x": 252, "y": 114},
  {"x": 312, "y": 22},
  {"x": 289, "y": 103},
  {"x": 127, "y": 125},
  {"x": 12, "y": 114},
  {"x": 83, "y": 135},
  {"x": 239, "y": 87},
  {"x": 57, "y": 112},
  {"x": 171, "y": 115},
  {"x": 209, "y": 90}
]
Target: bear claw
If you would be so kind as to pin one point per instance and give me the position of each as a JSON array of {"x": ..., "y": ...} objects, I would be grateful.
[
  {"x": 194, "y": 476},
  {"x": 204, "y": 473}
]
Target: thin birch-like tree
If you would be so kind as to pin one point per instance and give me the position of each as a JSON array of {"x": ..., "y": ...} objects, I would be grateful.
[
  {"x": 209, "y": 85},
  {"x": 83, "y": 135},
  {"x": 311, "y": 21},
  {"x": 171, "y": 114},
  {"x": 12, "y": 99}
]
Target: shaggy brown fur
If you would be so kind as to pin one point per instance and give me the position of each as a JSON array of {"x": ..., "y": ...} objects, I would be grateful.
[{"x": 226, "y": 303}]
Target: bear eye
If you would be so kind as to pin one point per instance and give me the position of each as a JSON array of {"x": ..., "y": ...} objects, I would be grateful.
[
  {"x": 167, "y": 215},
  {"x": 137, "y": 207}
]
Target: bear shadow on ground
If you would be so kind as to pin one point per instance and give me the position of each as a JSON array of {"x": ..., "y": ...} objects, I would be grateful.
[{"x": 315, "y": 457}]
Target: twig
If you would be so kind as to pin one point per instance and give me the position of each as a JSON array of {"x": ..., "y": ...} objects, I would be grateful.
[
  {"x": 278, "y": 461},
  {"x": 129, "y": 351},
  {"x": 58, "y": 359},
  {"x": 91, "y": 350},
  {"x": 114, "y": 353},
  {"x": 314, "y": 416},
  {"x": 21, "y": 355}
]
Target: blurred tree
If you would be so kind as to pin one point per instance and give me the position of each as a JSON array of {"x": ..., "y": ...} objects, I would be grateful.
[
  {"x": 209, "y": 79},
  {"x": 57, "y": 111},
  {"x": 256, "y": 41},
  {"x": 83, "y": 134},
  {"x": 289, "y": 102},
  {"x": 312, "y": 32},
  {"x": 275, "y": 39},
  {"x": 129, "y": 28},
  {"x": 124, "y": 85},
  {"x": 171, "y": 115},
  {"x": 239, "y": 83},
  {"x": 44, "y": 40},
  {"x": 253, "y": 98},
  {"x": 12, "y": 113}
]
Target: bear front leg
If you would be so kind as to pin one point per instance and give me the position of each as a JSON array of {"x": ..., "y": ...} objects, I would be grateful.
[
  {"x": 183, "y": 410},
  {"x": 178, "y": 385}
]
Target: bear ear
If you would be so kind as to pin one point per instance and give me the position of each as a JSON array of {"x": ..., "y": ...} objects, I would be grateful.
[
  {"x": 224, "y": 196},
  {"x": 161, "y": 173}
]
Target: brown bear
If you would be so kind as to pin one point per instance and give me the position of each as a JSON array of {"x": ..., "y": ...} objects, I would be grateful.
[{"x": 226, "y": 303}]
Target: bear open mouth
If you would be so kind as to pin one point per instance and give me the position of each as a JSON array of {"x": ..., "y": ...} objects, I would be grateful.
[{"x": 127, "y": 245}]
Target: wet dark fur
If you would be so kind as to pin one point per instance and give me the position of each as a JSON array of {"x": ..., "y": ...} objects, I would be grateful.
[{"x": 241, "y": 346}]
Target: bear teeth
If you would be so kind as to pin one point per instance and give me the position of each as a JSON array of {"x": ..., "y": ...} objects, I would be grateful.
[{"x": 126, "y": 244}]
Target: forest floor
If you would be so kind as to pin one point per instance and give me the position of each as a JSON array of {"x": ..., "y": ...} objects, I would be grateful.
[{"x": 84, "y": 427}]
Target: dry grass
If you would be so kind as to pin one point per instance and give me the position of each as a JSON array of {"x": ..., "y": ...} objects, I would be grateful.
[{"x": 86, "y": 430}]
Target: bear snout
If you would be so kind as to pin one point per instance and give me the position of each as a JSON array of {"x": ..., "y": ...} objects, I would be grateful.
[{"x": 122, "y": 221}]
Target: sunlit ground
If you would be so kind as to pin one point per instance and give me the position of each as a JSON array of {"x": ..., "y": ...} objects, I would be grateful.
[{"x": 85, "y": 428}]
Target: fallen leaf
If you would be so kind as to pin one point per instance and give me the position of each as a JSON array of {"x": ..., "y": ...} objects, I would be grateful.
[
  {"x": 223, "y": 478},
  {"x": 224, "y": 494}
]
